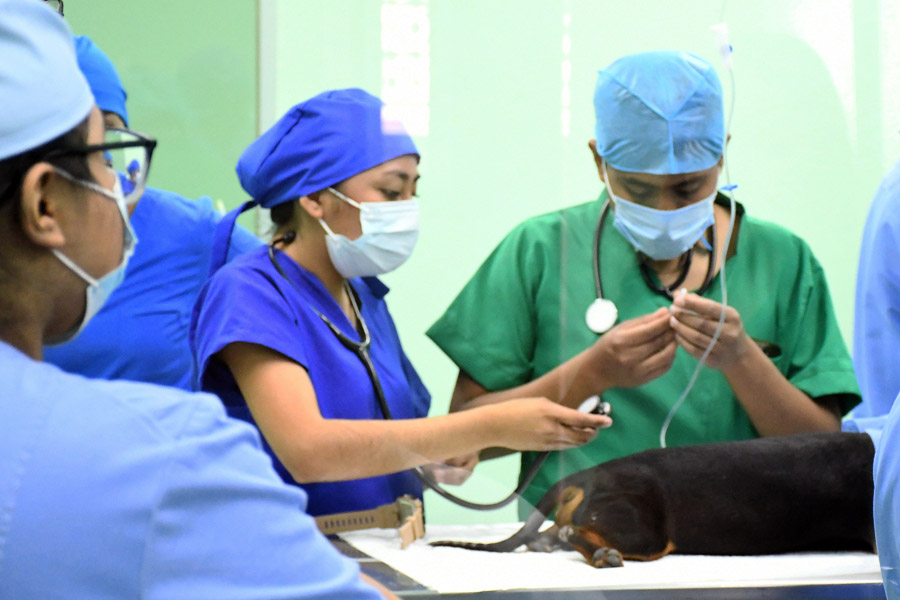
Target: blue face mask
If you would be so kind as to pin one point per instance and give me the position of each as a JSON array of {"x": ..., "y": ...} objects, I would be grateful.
[
  {"x": 661, "y": 234},
  {"x": 99, "y": 290}
]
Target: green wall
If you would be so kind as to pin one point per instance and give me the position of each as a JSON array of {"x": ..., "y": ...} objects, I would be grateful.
[
  {"x": 190, "y": 70},
  {"x": 814, "y": 129}
]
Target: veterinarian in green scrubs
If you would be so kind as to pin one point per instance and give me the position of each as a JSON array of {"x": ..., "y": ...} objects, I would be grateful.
[{"x": 527, "y": 324}]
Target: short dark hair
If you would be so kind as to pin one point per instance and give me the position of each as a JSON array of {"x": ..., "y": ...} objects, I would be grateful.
[
  {"x": 282, "y": 214},
  {"x": 13, "y": 169}
]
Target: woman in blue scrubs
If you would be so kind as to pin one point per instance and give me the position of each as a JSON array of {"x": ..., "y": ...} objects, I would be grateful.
[
  {"x": 141, "y": 334},
  {"x": 114, "y": 489},
  {"x": 266, "y": 328}
]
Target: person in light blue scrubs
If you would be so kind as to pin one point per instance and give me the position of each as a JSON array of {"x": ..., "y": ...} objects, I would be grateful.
[
  {"x": 142, "y": 332},
  {"x": 876, "y": 325},
  {"x": 887, "y": 501},
  {"x": 278, "y": 332},
  {"x": 112, "y": 489}
]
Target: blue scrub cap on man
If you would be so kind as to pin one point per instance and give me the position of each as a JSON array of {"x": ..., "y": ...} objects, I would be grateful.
[
  {"x": 319, "y": 143},
  {"x": 102, "y": 76},
  {"x": 660, "y": 112},
  {"x": 42, "y": 93}
]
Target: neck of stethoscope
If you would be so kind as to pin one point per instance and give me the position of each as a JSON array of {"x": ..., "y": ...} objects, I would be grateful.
[
  {"x": 346, "y": 340},
  {"x": 361, "y": 350},
  {"x": 684, "y": 259}
]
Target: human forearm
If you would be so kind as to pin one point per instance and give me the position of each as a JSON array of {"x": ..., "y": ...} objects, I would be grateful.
[
  {"x": 284, "y": 406},
  {"x": 568, "y": 384},
  {"x": 343, "y": 449},
  {"x": 334, "y": 449},
  {"x": 630, "y": 354},
  {"x": 775, "y": 406}
]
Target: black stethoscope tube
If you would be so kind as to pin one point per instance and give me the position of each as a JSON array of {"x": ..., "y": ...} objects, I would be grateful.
[
  {"x": 665, "y": 290},
  {"x": 361, "y": 350}
]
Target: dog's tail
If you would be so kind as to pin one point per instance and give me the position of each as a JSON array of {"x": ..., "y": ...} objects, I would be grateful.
[{"x": 528, "y": 533}]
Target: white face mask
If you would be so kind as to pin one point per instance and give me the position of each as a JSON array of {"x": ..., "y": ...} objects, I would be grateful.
[
  {"x": 661, "y": 234},
  {"x": 98, "y": 290},
  {"x": 389, "y": 234}
]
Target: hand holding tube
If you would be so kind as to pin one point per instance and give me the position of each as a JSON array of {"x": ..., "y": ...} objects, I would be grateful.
[{"x": 694, "y": 320}]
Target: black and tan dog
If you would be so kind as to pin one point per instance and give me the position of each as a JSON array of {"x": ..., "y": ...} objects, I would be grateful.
[{"x": 771, "y": 495}]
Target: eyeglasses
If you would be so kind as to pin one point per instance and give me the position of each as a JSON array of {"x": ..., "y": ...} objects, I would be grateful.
[
  {"x": 126, "y": 152},
  {"x": 56, "y": 5}
]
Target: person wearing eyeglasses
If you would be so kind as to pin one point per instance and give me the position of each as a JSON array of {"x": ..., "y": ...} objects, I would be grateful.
[
  {"x": 114, "y": 489},
  {"x": 142, "y": 332}
]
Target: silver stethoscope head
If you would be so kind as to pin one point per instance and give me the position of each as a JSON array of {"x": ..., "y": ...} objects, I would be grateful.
[{"x": 602, "y": 313}]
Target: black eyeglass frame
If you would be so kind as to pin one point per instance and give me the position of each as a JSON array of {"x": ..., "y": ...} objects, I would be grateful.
[
  {"x": 60, "y": 9},
  {"x": 148, "y": 143}
]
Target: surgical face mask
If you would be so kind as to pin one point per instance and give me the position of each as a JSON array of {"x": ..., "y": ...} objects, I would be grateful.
[
  {"x": 661, "y": 234},
  {"x": 99, "y": 290},
  {"x": 389, "y": 233}
]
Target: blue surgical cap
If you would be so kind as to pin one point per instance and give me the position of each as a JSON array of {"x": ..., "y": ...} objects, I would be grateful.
[
  {"x": 42, "y": 93},
  {"x": 319, "y": 143},
  {"x": 101, "y": 75},
  {"x": 660, "y": 112}
]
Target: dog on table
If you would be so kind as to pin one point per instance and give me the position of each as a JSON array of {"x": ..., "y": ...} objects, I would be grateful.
[{"x": 771, "y": 495}]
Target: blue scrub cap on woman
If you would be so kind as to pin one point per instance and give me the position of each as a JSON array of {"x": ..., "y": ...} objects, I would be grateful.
[
  {"x": 660, "y": 112},
  {"x": 102, "y": 76},
  {"x": 318, "y": 143},
  {"x": 42, "y": 93}
]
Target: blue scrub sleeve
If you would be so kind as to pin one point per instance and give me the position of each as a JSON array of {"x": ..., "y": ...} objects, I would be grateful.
[
  {"x": 887, "y": 503},
  {"x": 819, "y": 365},
  {"x": 232, "y": 308},
  {"x": 876, "y": 326},
  {"x": 226, "y": 526}
]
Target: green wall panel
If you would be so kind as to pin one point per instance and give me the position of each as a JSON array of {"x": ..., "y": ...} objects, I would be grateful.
[{"x": 190, "y": 70}]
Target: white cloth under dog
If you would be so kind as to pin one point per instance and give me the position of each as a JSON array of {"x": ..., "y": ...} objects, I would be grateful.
[{"x": 454, "y": 570}]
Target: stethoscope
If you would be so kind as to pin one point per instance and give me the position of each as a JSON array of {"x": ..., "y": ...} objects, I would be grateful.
[
  {"x": 361, "y": 350},
  {"x": 602, "y": 313}
]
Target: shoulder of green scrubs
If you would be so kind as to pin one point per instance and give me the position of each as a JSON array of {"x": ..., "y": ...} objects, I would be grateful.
[
  {"x": 522, "y": 315},
  {"x": 115, "y": 489}
]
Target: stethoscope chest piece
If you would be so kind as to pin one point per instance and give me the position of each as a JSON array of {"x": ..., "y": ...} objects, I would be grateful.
[{"x": 601, "y": 315}]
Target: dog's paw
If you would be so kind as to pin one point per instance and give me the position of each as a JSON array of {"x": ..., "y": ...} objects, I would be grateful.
[
  {"x": 606, "y": 557},
  {"x": 542, "y": 545}
]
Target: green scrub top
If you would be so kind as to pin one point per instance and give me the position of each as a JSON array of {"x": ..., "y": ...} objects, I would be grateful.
[{"x": 523, "y": 314}]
